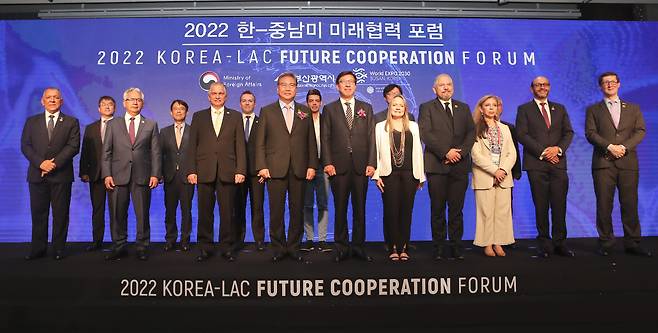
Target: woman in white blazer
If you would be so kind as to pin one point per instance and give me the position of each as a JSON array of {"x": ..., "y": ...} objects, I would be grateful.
[
  {"x": 400, "y": 172},
  {"x": 493, "y": 157}
]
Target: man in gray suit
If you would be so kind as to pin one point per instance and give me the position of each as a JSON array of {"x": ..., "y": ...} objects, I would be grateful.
[
  {"x": 615, "y": 128},
  {"x": 131, "y": 168}
]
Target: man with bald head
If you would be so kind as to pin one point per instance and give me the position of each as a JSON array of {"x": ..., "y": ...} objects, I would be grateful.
[
  {"x": 447, "y": 129},
  {"x": 544, "y": 129},
  {"x": 49, "y": 141}
]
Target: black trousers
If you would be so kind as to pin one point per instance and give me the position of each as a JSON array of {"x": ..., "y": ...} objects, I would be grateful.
[
  {"x": 209, "y": 194},
  {"x": 120, "y": 199},
  {"x": 399, "y": 195},
  {"x": 626, "y": 182},
  {"x": 256, "y": 192},
  {"x": 447, "y": 190},
  {"x": 549, "y": 190},
  {"x": 43, "y": 196},
  {"x": 176, "y": 191},
  {"x": 343, "y": 186},
  {"x": 276, "y": 191},
  {"x": 98, "y": 195}
]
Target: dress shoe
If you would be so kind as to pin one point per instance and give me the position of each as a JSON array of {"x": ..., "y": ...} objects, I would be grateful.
[
  {"x": 296, "y": 256},
  {"x": 185, "y": 247},
  {"x": 603, "y": 251},
  {"x": 361, "y": 254},
  {"x": 438, "y": 253},
  {"x": 168, "y": 246},
  {"x": 457, "y": 253},
  {"x": 278, "y": 256},
  {"x": 228, "y": 255},
  {"x": 59, "y": 255},
  {"x": 340, "y": 256},
  {"x": 142, "y": 255},
  {"x": 638, "y": 251},
  {"x": 114, "y": 254},
  {"x": 323, "y": 247},
  {"x": 542, "y": 253},
  {"x": 260, "y": 246},
  {"x": 203, "y": 256},
  {"x": 307, "y": 246},
  {"x": 94, "y": 247},
  {"x": 564, "y": 251},
  {"x": 35, "y": 255}
]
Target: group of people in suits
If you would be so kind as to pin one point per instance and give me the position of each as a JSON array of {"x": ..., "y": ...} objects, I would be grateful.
[{"x": 293, "y": 150}]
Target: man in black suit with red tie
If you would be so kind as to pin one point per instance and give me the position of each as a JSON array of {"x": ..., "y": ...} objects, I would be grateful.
[
  {"x": 349, "y": 158},
  {"x": 49, "y": 141},
  {"x": 286, "y": 157},
  {"x": 216, "y": 161},
  {"x": 90, "y": 169},
  {"x": 544, "y": 129},
  {"x": 251, "y": 185},
  {"x": 174, "y": 140},
  {"x": 615, "y": 128},
  {"x": 447, "y": 129}
]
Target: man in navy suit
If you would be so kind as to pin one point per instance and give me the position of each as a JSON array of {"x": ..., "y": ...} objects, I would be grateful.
[
  {"x": 447, "y": 129},
  {"x": 216, "y": 160},
  {"x": 174, "y": 140},
  {"x": 131, "y": 168},
  {"x": 90, "y": 169},
  {"x": 286, "y": 157},
  {"x": 544, "y": 129},
  {"x": 349, "y": 158},
  {"x": 49, "y": 141}
]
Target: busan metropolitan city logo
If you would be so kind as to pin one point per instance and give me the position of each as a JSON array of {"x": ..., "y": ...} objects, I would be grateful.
[{"x": 208, "y": 78}]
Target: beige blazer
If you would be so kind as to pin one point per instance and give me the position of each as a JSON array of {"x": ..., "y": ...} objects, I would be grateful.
[
  {"x": 383, "y": 145},
  {"x": 483, "y": 167}
]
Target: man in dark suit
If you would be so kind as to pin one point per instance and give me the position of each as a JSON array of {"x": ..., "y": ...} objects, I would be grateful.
[
  {"x": 615, "y": 128},
  {"x": 516, "y": 169},
  {"x": 90, "y": 169},
  {"x": 544, "y": 129},
  {"x": 49, "y": 141},
  {"x": 389, "y": 92},
  {"x": 174, "y": 140},
  {"x": 131, "y": 168},
  {"x": 216, "y": 161},
  {"x": 447, "y": 129},
  {"x": 286, "y": 157},
  {"x": 251, "y": 185},
  {"x": 349, "y": 158}
]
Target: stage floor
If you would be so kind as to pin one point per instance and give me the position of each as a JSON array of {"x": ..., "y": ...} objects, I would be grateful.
[{"x": 173, "y": 292}]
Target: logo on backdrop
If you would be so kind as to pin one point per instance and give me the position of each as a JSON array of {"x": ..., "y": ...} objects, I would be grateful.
[
  {"x": 207, "y": 78},
  {"x": 361, "y": 75}
]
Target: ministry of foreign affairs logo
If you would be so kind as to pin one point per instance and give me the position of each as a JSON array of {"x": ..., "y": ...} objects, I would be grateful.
[{"x": 208, "y": 78}]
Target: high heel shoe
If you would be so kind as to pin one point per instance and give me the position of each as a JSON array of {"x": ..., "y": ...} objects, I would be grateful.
[
  {"x": 499, "y": 250},
  {"x": 403, "y": 255},
  {"x": 394, "y": 254},
  {"x": 489, "y": 252}
]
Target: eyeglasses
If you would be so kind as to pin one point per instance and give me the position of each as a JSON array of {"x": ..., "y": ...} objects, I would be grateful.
[
  {"x": 133, "y": 100},
  {"x": 288, "y": 85},
  {"x": 609, "y": 83},
  {"x": 539, "y": 85},
  {"x": 347, "y": 81}
]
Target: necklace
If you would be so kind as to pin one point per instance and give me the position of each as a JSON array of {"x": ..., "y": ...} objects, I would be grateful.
[{"x": 397, "y": 152}]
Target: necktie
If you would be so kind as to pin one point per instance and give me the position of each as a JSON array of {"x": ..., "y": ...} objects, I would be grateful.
[
  {"x": 288, "y": 110},
  {"x": 246, "y": 129},
  {"x": 131, "y": 130},
  {"x": 51, "y": 126},
  {"x": 103, "y": 128},
  {"x": 348, "y": 115},
  {"x": 615, "y": 113},
  {"x": 544, "y": 114},
  {"x": 217, "y": 124},
  {"x": 179, "y": 136},
  {"x": 448, "y": 111}
]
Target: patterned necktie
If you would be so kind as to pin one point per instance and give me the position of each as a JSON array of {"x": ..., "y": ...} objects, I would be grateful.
[
  {"x": 544, "y": 114},
  {"x": 179, "y": 135},
  {"x": 246, "y": 129},
  {"x": 131, "y": 130},
  {"x": 51, "y": 126},
  {"x": 288, "y": 110},
  {"x": 103, "y": 130},
  {"x": 348, "y": 115}
]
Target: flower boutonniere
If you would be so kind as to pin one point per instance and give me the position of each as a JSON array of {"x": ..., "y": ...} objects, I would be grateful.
[
  {"x": 301, "y": 114},
  {"x": 552, "y": 108},
  {"x": 623, "y": 105},
  {"x": 361, "y": 113}
]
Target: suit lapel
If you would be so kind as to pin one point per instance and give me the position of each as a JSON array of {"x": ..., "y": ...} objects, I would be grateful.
[
  {"x": 606, "y": 113},
  {"x": 623, "y": 115},
  {"x": 60, "y": 122},
  {"x": 140, "y": 129},
  {"x": 444, "y": 114},
  {"x": 254, "y": 123},
  {"x": 186, "y": 136}
]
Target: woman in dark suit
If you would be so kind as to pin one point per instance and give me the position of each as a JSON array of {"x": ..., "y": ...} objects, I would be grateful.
[{"x": 400, "y": 172}]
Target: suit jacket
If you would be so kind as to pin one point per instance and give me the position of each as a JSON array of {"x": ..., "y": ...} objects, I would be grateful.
[
  {"x": 601, "y": 132},
  {"x": 63, "y": 146},
  {"x": 381, "y": 116},
  {"x": 251, "y": 147},
  {"x": 535, "y": 136},
  {"x": 126, "y": 162},
  {"x": 172, "y": 156},
  {"x": 440, "y": 135},
  {"x": 278, "y": 150},
  {"x": 340, "y": 145},
  {"x": 383, "y": 144},
  {"x": 92, "y": 152},
  {"x": 210, "y": 156},
  {"x": 516, "y": 170},
  {"x": 484, "y": 169}
]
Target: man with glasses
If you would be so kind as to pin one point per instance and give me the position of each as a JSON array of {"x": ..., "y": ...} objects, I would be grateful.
[
  {"x": 349, "y": 158},
  {"x": 286, "y": 157},
  {"x": 131, "y": 168},
  {"x": 615, "y": 128},
  {"x": 216, "y": 160},
  {"x": 544, "y": 129}
]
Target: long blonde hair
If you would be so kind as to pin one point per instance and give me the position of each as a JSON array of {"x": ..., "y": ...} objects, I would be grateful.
[
  {"x": 405, "y": 118},
  {"x": 481, "y": 126}
]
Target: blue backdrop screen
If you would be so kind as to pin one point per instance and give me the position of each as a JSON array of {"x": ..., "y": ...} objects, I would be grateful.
[{"x": 167, "y": 59}]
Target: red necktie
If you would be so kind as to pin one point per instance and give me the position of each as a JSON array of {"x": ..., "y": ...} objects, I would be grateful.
[
  {"x": 131, "y": 130},
  {"x": 545, "y": 115}
]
